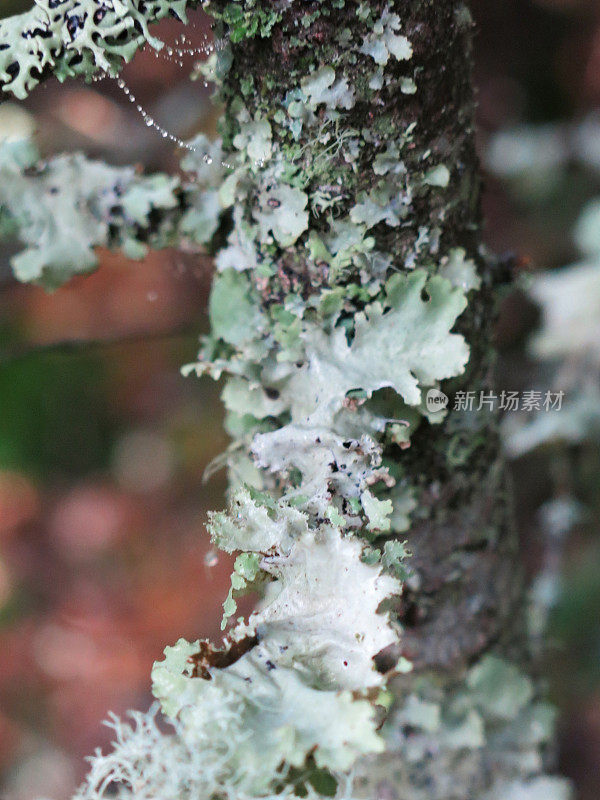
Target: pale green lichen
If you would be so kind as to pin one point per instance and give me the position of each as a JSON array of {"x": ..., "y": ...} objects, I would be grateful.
[
  {"x": 300, "y": 621},
  {"x": 437, "y": 176},
  {"x": 378, "y": 512},
  {"x": 490, "y": 726},
  {"x": 246, "y": 568},
  {"x": 76, "y": 37},
  {"x": 385, "y": 41},
  {"x": 387, "y": 202},
  {"x": 64, "y": 208},
  {"x": 287, "y": 718},
  {"x": 570, "y": 300},
  {"x": 321, "y": 87},
  {"x": 565, "y": 407},
  {"x": 256, "y": 522},
  {"x": 460, "y": 270},
  {"x": 282, "y": 213},
  {"x": 234, "y": 316},
  {"x": 255, "y": 136},
  {"x": 291, "y": 688},
  {"x": 403, "y": 342}
]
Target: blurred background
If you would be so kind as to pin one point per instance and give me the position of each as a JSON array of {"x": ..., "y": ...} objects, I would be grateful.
[{"x": 104, "y": 558}]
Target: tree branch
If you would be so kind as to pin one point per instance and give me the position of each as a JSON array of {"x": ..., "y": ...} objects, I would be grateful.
[
  {"x": 65, "y": 207},
  {"x": 76, "y": 347}
]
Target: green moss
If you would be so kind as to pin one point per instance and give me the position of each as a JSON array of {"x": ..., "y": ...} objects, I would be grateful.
[{"x": 245, "y": 19}]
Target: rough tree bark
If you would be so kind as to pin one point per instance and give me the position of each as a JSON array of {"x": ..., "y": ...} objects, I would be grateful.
[{"x": 463, "y": 610}]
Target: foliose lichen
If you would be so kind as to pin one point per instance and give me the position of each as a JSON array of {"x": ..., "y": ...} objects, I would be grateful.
[{"x": 71, "y": 38}]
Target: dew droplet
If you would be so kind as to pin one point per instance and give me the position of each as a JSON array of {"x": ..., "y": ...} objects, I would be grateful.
[{"x": 204, "y": 49}]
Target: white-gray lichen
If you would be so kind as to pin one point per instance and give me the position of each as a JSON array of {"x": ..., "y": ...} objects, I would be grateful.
[{"x": 76, "y": 38}]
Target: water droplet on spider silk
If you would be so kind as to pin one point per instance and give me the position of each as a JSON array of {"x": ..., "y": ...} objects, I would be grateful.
[
  {"x": 175, "y": 54},
  {"x": 149, "y": 121}
]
